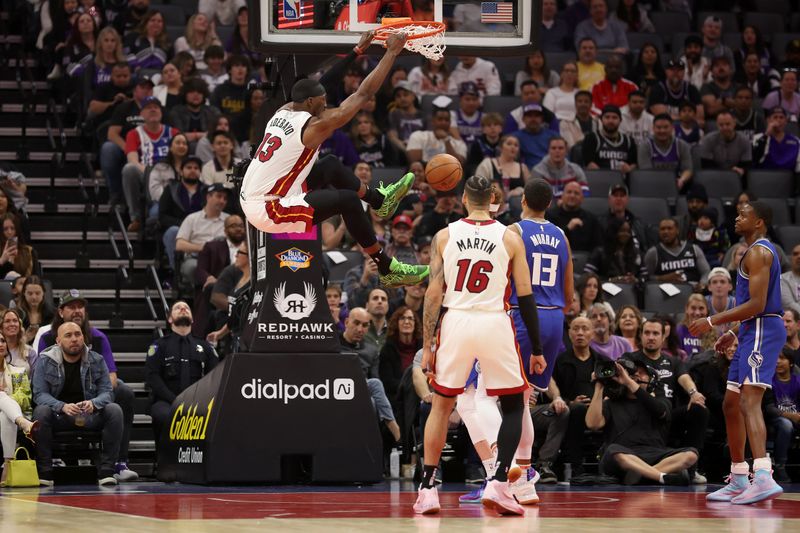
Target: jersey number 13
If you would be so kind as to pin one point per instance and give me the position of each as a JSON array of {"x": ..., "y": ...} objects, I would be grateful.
[{"x": 544, "y": 269}]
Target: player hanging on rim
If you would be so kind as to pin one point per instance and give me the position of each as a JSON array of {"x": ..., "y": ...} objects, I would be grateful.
[
  {"x": 285, "y": 191},
  {"x": 550, "y": 262},
  {"x": 761, "y": 338},
  {"x": 470, "y": 263}
]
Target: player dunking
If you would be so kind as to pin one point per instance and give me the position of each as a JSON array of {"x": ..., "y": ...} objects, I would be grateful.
[
  {"x": 550, "y": 262},
  {"x": 472, "y": 258},
  {"x": 761, "y": 337},
  {"x": 285, "y": 191}
]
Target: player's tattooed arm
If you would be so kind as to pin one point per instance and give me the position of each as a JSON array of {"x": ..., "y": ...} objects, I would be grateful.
[{"x": 435, "y": 293}]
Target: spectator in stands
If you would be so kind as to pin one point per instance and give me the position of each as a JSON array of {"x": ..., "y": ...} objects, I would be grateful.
[
  {"x": 33, "y": 308},
  {"x": 17, "y": 255},
  {"x": 423, "y": 252},
  {"x": 726, "y": 148},
  {"x": 80, "y": 47},
  {"x": 575, "y": 130},
  {"x": 560, "y": 99},
  {"x": 214, "y": 73},
  {"x": 588, "y": 291},
  {"x": 554, "y": 33},
  {"x": 663, "y": 151},
  {"x": 359, "y": 281},
  {"x": 751, "y": 76},
  {"x": 791, "y": 321},
  {"x": 193, "y": 117},
  {"x": 15, "y": 406},
  {"x": 607, "y": 34},
  {"x": 613, "y": 89},
  {"x": 179, "y": 199},
  {"x": 204, "y": 150},
  {"x": 186, "y": 65},
  {"x": 65, "y": 400},
  {"x": 688, "y": 420},
  {"x": 430, "y": 78},
  {"x": 696, "y": 307},
  {"x": 125, "y": 118},
  {"x": 792, "y": 55},
  {"x": 166, "y": 171},
  {"x": 223, "y": 12},
  {"x": 169, "y": 90},
  {"x": 633, "y": 17},
  {"x": 590, "y": 71},
  {"x": 239, "y": 43},
  {"x": 618, "y": 209},
  {"x": 649, "y": 70},
  {"x": 219, "y": 253},
  {"x": 378, "y": 309},
  {"x": 405, "y": 118},
  {"x": 696, "y": 203},
  {"x": 107, "y": 96},
  {"x": 148, "y": 45},
  {"x": 669, "y": 96},
  {"x": 749, "y": 121},
  {"x": 506, "y": 169},
  {"x": 227, "y": 293},
  {"x": 576, "y": 13},
  {"x": 466, "y": 118},
  {"x": 145, "y": 146},
  {"x": 636, "y": 121},
  {"x": 786, "y": 96},
  {"x": 535, "y": 138},
  {"x": 173, "y": 363},
  {"x": 550, "y": 422},
  {"x": 529, "y": 94},
  {"x": 579, "y": 225},
  {"x": 199, "y": 36},
  {"x": 352, "y": 340},
  {"x": 617, "y": 259},
  {"x": 487, "y": 144},
  {"x": 608, "y": 147},
  {"x": 200, "y": 227},
  {"x": 403, "y": 339},
  {"x": 776, "y": 149},
  {"x": 401, "y": 245},
  {"x": 698, "y": 67},
  {"x": 753, "y": 43},
  {"x": 629, "y": 325},
  {"x": 232, "y": 97},
  {"x": 338, "y": 308},
  {"x": 372, "y": 146},
  {"x": 687, "y": 128},
  {"x": 790, "y": 283},
  {"x": 217, "y": 170},
  {"x": 536, "y": 69},
  {"x": 131, "y": 16},
  {"x": 108, "y": 52},
  {"x": 557, "y": 171},
  {"x": 672, "y": 344},
  {"x": 675, "y": 261},
  {"x": 440, "y": 216},
  {"x": 603, "y": 341},
  {"x": 19, "y": 352},
  {"x": 479, "y": 71},
  {"x": 717, "y": 94},
  {"x": 709, "y": 237},
  {"x": 786, "y": 386},
  {"x": 713, "y": 47},
  {"x": 423, "y": 145},
  {"x": 720, "y": 298}
]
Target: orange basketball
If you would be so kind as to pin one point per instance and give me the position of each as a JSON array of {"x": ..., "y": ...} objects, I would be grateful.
[{"x": 443, "y": 172}]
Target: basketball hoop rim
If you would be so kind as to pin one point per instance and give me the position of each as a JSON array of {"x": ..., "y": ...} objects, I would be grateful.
[{"x": 381, "y": 35}]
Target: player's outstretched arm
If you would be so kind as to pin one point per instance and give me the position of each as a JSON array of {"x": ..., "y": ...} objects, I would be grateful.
[
  {"x": 434, "y": 296},
  {"x": 527, "y": 304},
  {"x": 336, "y": 117}
]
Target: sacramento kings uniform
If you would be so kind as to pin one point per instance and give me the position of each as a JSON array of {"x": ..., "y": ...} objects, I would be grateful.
[
  {"x": 761, "y": 337},
  {"x": 664, "y": 160},
  {"x": 547, "y": 253},
  {"x": 599, "y": 149},
  {"x": 468, "y": 129},
  {"x": 684, "y": 261},
  {"x": 476, "y": 266},
  {"x": 663, "y": 94}
]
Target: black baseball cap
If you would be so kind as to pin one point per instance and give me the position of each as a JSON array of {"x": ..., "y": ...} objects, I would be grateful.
[
  {"x": 215, "y": 187},
  {"x": 192, "y": 159},
  {"x": 675, "y": 62},
  {"x": 617, "y": 187},
  {"x": 611, "y": 108}
]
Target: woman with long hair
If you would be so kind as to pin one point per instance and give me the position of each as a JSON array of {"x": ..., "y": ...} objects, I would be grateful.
[
  {"x": 753, "y": 43},
  {"x": 33, "y": 307},
  {"x": 506, "y": 169},
  {"x": 168, "y": 169},
  {"x": 108, "y": 52},
  {"x": 204, "y": 151},
  {"x": 632, "y": 17},
  {"x": 629, "y": 326},
  {"x": 672, "y": 344},
  {"x": 148, "y": 46},
  {"x": 168, "y": 91},
  {"x": 561, "y": 100},
  {"x": 239, "y": 42},
  {"x": 430, "y": 78},
  {"x": 371, "y": 143},
  {"x": 696, "y": 307},
  {"x": 16, "y": 254},
  {"x": 199, "y": 35},
  {"x": 19, "y": 352},
  {"x": 79, "y": 51},
  {"x": 403, "y": 339},
  {"x": 618, "y": 259},
  {"x": 588, "y": 289},
  {"x": 648, "y": 71},
  {"x": 15, "y": 405},
  {"x": 536, "y": 69}
]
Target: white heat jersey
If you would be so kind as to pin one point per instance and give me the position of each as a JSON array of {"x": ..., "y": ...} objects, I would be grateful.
[
  {"x": 281, "y": 163},
  {"x": 476, "y": 266}
]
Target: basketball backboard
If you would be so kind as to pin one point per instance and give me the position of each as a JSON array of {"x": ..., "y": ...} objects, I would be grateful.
[{"x": 335, "y": 26}]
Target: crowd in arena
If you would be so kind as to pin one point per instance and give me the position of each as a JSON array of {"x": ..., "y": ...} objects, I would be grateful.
[{"x": 169, "y": 117}]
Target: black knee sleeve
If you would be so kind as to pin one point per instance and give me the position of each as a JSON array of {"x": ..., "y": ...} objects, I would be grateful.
[{"x": 512, "y": 407}]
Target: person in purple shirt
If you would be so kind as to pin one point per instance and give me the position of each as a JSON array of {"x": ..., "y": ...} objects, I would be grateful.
[
  {"x": 776, "y": 149},
  {"x": 786, "y": 387},
  {"x": 603, "y": 342},
  {"x": 340, "y": 145},
  {"x": 696, "y": 307}
]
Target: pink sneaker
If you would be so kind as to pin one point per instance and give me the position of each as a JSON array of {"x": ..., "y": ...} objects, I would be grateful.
[
  {"x": 497, "y": 497},
  {"x": 427, "y": 501},
  {"x": 762, "y": 488},
  {"x": 737, "y": 484}
]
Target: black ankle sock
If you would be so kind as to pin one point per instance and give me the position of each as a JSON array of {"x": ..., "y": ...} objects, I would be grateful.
[
  {"x": 383, "y": 261},
  {"x": 428, "y": 476},
  {"x": 373, "y": 198}
]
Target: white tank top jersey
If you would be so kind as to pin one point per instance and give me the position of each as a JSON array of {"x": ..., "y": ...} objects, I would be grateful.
[
  {"x": 281, "y": 163},
  {"x": 476, "y": 266}
]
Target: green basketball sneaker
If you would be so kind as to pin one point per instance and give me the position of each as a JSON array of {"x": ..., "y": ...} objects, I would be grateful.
[
  {"x": 402, "y": 274},
  {"x": 393, "y": 193}
]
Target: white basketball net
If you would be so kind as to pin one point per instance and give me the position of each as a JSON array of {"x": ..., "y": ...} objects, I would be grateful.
[{"x": 431, "y": 46}]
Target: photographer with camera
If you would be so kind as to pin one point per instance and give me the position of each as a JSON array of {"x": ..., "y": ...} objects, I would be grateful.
[
  {"x": 635, "y": 415},
  {"x": 689, "y": 416}
]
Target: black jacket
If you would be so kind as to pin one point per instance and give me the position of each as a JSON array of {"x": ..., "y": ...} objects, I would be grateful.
[
  {"x": 170, "y": 208},
  {"x": 175, "y": 362}
]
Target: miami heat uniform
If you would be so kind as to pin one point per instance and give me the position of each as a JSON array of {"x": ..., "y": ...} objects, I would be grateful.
[
  {"x": 547, "y": 253},
  {"x": 476, "y": 268},
  {"x": 274, "y": 186},
  {"x": 761, "y": 337}
]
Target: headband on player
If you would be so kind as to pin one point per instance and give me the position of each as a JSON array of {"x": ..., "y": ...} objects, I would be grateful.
[{"x": 305, "y": 89}]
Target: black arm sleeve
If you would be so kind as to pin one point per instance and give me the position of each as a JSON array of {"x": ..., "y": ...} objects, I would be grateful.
[
  {"x": 527, "y": 308},
  {"x": 654, "y": 406}
]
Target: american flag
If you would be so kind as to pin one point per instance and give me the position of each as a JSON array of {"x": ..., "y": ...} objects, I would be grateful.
[
  {"x": 295, "y": 14},
  {"x": 493, "y": 12}
]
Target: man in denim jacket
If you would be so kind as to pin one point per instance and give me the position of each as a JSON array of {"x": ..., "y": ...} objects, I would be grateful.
[{"x": 72, "y": 390}]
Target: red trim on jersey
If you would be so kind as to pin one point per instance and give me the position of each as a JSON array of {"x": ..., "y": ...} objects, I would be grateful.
[
  {"x": 506, "y": 392},
  {"x": 507, "y": 295},
  {"x": 285, "y": 183},
  {"x": 445, "y": 390},
  {"x": 478, "y": 222},
  {"x": 280, "y": 214}
]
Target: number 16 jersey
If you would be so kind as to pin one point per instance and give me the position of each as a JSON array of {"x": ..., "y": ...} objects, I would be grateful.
[
  {"x": 476, "y": 266},
  {"x": 547, "y": 253}
]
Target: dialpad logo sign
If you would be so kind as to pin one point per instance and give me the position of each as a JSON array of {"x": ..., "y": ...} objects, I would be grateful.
[
  {"x": 255, "y": 389},
  {"x": 294, "y": 259},
  {"x": 295, "y": 306}
]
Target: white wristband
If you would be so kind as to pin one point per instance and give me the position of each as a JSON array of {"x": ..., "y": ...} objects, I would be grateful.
[{"x": 708, "y": 319}]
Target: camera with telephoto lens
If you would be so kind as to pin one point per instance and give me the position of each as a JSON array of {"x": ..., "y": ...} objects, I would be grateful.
[{"x": 605, "y": 369}]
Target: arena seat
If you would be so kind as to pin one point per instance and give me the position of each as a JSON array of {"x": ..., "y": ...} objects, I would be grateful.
[
  {"x": 596, "y": 206},
  {"x": 729, "y": 22},
  {"x": 649, "y": 210},
  {"x": 681, "y": 208},
  {"x": 337, "y": 271},
  {"x": 625, "y": 297},
  {"x": 771, "y": 183},
  {"x": 657, "y": 301},
  {"x": 725, "y": 184},
  {"x": 579, "y": 260},
  {"x": 670, "y": 22},
  {"x": 636, "y": 40},
  {"x": 500, "y": 104},
  {"x": 768, "y": 23},
  {"x": 780, "y": 211},
  {"x": 654, "y": 184},
  {"x": 173, "y": 15},
  {"x": 601, "y": 180}
]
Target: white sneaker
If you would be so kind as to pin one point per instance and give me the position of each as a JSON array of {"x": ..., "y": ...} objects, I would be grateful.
[
  {"x": 699, "y": 479},
  {"x": 524, "y": 488}
]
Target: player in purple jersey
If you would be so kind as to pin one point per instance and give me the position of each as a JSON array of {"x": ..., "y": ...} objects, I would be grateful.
[{"x": 761, "y": 337}]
